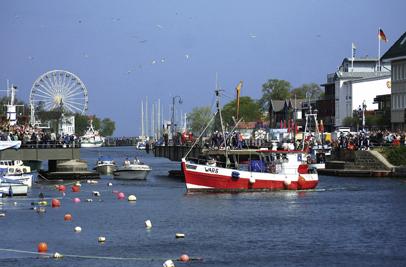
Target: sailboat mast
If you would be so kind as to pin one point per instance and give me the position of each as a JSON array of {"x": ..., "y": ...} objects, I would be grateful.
[{"x": 142, "y": 118}]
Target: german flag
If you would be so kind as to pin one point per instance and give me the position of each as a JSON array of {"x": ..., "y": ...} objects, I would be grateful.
[{"x": 382, "y": 36}]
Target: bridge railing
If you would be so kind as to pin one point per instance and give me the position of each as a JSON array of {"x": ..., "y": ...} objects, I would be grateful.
[{"x": 50, "y": 144}]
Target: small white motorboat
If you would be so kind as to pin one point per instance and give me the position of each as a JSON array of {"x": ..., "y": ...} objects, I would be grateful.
[
  {"x": 132, "y": 170},
  {"x": 20, "y": 178},
  {"x": 105, "y": 165},
  {"x": 15, "y": 170}
]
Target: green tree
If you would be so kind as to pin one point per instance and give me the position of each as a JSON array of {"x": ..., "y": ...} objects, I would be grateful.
[
  {"x": 274, "y": 89},
  {"x": 81, "y": 123},
  {"x": 312, "y": 89},
  {"x": 107, "y": 127},
  {"x": 198, "y": 119},
  {"x": 250, "y": 110}
]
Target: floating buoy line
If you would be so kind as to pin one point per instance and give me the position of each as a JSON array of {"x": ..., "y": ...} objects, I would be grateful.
[{"x": 52, "y": 255}]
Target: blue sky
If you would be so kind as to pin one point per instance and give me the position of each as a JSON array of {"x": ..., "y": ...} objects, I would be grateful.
[{"x": 126, "y": 50}]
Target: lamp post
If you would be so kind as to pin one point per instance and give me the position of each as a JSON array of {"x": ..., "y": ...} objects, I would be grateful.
[
  {"x": 364, "y": 107},
  {"x": 173, "y": 125}
]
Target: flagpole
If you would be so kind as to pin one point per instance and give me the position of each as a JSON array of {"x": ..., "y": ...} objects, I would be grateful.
[
  {"x": 379, "y": 50},
  {"x": 352, "y": 57}
]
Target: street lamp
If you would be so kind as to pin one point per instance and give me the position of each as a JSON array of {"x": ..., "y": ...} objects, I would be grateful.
[
  {"x": 173, "y": 125},
  {"x": 361, "y": 113},
  {"x": 364, "y": 107}
]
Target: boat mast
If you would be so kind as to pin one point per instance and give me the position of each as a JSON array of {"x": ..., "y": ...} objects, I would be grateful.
[
  {"x": 310, "y": 115},
  {"x": 221, "y": 122},
  {"x": 142, "y": 119}
]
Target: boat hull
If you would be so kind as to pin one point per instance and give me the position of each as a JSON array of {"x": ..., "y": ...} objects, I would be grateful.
[
  {"x": 18, "y": 189},
  {"x": 131, "y": 174},
  {"x": 105, "y": 169},
  {"x": 25, "y": 179},
  {"x": 91, "y": 145},
  {"x": 205, "y": 178}
]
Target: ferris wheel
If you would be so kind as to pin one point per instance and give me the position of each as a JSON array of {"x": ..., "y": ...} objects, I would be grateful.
[{"x": 59, "y": 89}]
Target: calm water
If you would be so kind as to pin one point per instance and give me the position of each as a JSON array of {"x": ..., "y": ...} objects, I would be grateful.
[{"x": 346, "y": 222}]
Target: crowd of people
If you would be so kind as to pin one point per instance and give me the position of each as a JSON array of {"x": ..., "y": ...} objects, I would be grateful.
[
  {"x": 365, "y": 140},
  {"x": 30, "y": 136}
]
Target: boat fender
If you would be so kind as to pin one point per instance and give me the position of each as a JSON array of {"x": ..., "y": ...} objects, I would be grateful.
[
  {"x": 301, "y": 181},
  {"x": 235, "y": 175},
  {"x": 287, "y": 182},
  {"x": 252, "y": 180}
]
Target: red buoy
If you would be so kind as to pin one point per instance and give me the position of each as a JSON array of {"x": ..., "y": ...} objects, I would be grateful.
[
  {"x": 184, "y": 258},
  {"x": 76, "y": 200},
  {"x": 55, "y": 203},
  {"x": 42, "y": 247},
  {"x": 61, "y": 188},
  {"x": 75, "y": 188},
  {"x": 67, "y": 217},
  {"x": 120, "y": 195}
]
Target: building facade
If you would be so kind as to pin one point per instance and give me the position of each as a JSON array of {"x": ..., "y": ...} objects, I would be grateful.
[
  {"x": 396, "y": 56},
  {"x": 356, "y": 82}
]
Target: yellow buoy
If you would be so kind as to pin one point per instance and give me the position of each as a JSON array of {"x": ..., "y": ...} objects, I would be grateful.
[
  {"x": 78, "y": 229},
  {"x": 102, "y": 239}
]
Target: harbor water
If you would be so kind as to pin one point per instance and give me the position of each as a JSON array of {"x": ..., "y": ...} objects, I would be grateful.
[{"x": 345, "y": 222}]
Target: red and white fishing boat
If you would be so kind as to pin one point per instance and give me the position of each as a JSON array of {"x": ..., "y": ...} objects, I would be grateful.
[
  {"x": 266, "y": 170},
  {"x": 274, "y": 170}
]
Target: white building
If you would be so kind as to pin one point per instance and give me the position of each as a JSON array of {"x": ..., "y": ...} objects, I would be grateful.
[
  {"x": 355, "y": 93},
  {"x": 67, "y": 125},
  {"x": 357, "y": 80}
]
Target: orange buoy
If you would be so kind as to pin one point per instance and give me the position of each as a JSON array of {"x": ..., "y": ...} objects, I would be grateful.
[
  {"x": 67, "y": 217},
  {"x": 61, "y": 188},
  {"x": 75, "y": 188},
  {"x": 42, "y": 247},
  {"x": 55, "y": 203},
  {"x": 184, "y": 258}
]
